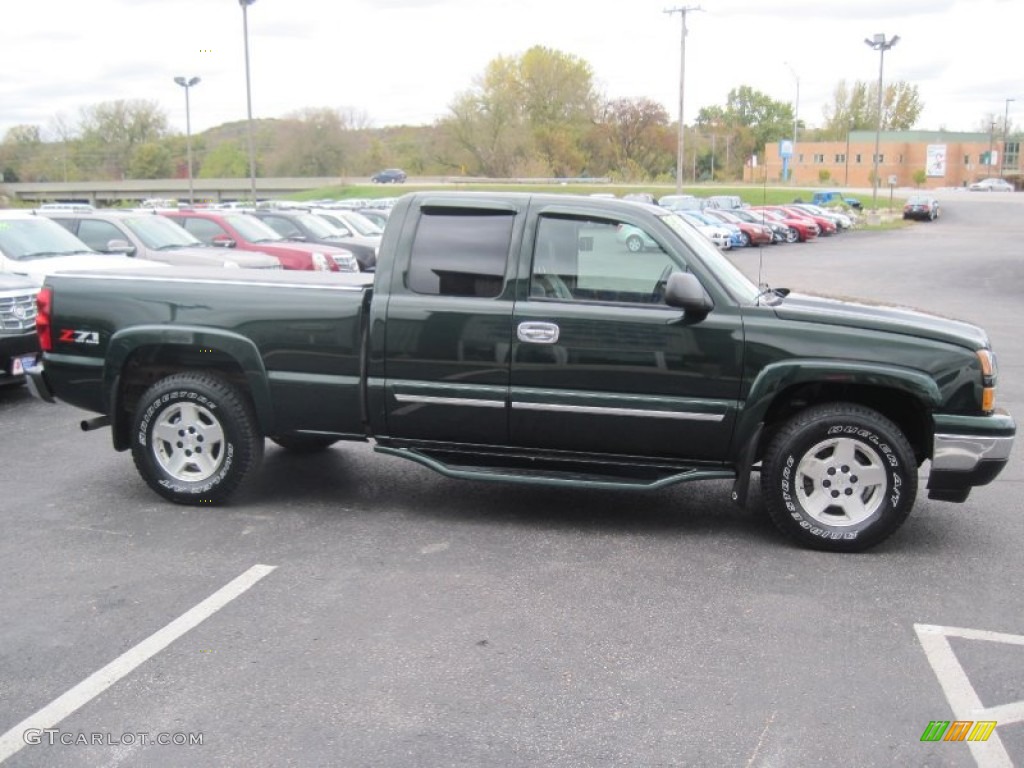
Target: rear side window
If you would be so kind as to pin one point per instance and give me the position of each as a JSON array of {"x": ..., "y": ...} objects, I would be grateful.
[{"x": 460, "y": 252}]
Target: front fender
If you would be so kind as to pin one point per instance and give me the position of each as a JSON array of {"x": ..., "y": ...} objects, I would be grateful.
[
  {"x": 776, "y": 378},
  {"x": 195, "y": 339}
]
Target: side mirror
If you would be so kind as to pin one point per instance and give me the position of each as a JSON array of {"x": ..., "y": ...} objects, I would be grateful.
[
  {"x": 222, "y": 241},
  {"x": 120, "y": 246},
  {"x": 684, "y": 291}
]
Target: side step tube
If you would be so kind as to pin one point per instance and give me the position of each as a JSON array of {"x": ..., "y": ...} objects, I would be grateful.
[{"x": 548, "y": 477}]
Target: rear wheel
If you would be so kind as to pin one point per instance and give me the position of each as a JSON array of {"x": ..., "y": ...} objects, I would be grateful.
[
  {"x": 635, "y": 243},
  {"x": 195, "y": 438},
  {"x": 839, "y": 477}
]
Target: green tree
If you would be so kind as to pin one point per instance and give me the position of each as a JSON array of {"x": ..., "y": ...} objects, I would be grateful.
[
  {"x": 635, "y": 139},
  {"x": 542, "y": 103},
  {"x": 920, "y": 176},
  {"x": 151, "y": 160},
  {"x": 311, "y": 142},
  {"x": 227, "y": 160},
  {"x": 749, "y": 120},
  {"x": 855, "y": 108},
  {"x": 111, "y": 131}
]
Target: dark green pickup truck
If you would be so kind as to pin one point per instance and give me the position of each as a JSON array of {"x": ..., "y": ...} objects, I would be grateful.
[{"x": 517, "y": 338}]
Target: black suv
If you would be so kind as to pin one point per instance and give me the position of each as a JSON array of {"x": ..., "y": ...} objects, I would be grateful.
[{"x": 306, "y": 227}]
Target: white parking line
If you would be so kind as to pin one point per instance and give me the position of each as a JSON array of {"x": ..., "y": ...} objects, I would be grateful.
[
  {"x": 960, "y": 694},
  {"x": 47, "y": 717}
]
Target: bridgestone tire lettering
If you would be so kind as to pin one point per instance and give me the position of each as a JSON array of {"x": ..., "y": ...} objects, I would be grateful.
[
  {"x": 214, "y": 417},
  {"x": 839, "y": 477}
]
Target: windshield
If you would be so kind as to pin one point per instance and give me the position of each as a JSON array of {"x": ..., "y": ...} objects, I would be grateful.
[
  {"x": 156, "y": 232},
  {"x": 734, "y": 281},
  {"x": 317, "y": 226},
  {"x": 361, "y": 224},
  {"x": 252, "y": 229},
  {"x": 37, "y": 238}
]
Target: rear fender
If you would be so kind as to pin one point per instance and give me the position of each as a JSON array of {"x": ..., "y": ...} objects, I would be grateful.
[{"x": 194, "y": 339}]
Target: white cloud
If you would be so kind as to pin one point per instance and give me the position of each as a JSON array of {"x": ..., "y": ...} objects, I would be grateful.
[{"x": 403, "y": 61}]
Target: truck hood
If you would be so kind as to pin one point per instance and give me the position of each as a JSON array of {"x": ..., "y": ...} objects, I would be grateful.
[
  {"x": 880, "y": 317},
  {"x": 37, "y": 269},
  {"x": 209, "y": 256}
]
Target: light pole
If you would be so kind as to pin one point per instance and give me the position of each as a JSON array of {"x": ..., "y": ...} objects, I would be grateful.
[
  {"x": 248, "y": 98},
  {"x": 682, "y": 82},
  {"x": 187, "y": 83},
  {"x": 880, "y": 44},
  {"x": 796, "y": 113},
  {"x": 1006, "y": 131}
]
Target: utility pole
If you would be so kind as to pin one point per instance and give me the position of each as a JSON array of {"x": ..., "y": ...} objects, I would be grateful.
[{"x": 682, "y": 88}]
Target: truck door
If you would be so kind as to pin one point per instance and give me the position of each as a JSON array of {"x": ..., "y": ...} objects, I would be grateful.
[
  {"x": 600, "y": 364},
  {"x": 448, "y": 326}
]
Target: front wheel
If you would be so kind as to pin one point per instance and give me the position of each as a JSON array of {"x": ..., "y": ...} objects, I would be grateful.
[
  {"x": 792, "y": 235},
  {"x": 744, "y": 239},
  {"x": 194, "y": 438},
  {"x": 839, "y": 477},
  {"x": 635, "y": 243}
]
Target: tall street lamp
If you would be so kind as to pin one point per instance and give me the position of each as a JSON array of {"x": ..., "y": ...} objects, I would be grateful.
[
  {"x": 1006, "y": 131},
  {"x": 248, "y": 98},
  {"x": 187, "y": 83},
  {"x": 880, "y": 44}
]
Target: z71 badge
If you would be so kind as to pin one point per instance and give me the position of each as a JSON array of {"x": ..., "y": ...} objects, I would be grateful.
[{"x": 71, "y": 336}]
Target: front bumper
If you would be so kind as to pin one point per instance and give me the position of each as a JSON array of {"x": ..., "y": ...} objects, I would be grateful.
[{"x": 968, "y": 451}]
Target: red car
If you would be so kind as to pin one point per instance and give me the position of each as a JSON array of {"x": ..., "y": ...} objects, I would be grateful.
[
  {"x": 231, "y": 229},
  {"x": 752, "y": 234},
  {"x": 827, "y": 226},
  {"x": 802, "y": 229}
]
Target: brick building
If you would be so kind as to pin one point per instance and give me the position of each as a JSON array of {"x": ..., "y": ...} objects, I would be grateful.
[{"x": 950, "y": 159}]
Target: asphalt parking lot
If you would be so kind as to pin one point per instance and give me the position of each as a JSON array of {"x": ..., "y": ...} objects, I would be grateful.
[{"x": 403, "y": 619}]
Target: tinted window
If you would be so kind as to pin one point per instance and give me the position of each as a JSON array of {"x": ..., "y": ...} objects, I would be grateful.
[
  {"x": 97, "y": 234},
  {"x": 460, "y": 252},
  {"x": 204, "y": 229}
]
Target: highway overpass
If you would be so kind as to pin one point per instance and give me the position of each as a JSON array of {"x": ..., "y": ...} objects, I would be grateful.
[{"x": 206, "y": 190}]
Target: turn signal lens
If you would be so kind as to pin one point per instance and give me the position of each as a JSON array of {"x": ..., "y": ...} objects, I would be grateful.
[{"x": 988, "y": 380}]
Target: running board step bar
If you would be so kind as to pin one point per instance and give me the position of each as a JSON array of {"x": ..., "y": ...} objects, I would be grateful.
[{"x": 578, "y": 476}]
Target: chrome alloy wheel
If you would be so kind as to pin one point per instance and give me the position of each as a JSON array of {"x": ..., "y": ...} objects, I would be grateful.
[
  {"x": 188, "y": 442},
  {"x": 841, "y": 482}
]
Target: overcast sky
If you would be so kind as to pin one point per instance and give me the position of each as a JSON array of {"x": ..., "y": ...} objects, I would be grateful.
[{"x": 403, "y": 61}]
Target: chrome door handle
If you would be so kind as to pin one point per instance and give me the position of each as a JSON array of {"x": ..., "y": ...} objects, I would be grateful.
[{"x": 537, "y": 333}]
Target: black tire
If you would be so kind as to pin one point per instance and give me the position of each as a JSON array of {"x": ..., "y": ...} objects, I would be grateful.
[
  {"x": 304, "y": 443},
  {"x": 839, "y": 477},
  {"x": 744, "y": 239},
  {"x": 792, "y": 235},
  {"x": 195, "y": 438},
  {"x": 635, "y": 243}
]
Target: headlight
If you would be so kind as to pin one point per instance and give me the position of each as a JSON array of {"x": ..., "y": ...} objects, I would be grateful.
[{"x": 345, "y": 262}]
